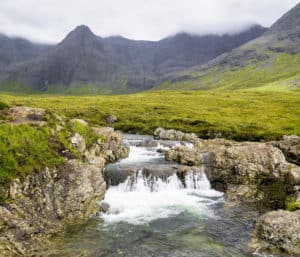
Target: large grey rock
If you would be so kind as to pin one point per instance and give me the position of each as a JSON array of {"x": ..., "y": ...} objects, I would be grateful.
[
  {"x": 290, "y": 146},
  {"x": 248, "y": 172},
  {"x": 172, "y": 134},
  {"x": 185, "y": 155},
  {"x": 25, "y": 114},
  {"x": 278, "y": 231}
]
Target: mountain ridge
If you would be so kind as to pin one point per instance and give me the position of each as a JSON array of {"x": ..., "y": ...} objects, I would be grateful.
[{"x": 118, "y": 64}]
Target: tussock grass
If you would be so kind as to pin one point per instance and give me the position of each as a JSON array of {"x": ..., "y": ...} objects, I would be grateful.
[{"x": 239, "y": 115}]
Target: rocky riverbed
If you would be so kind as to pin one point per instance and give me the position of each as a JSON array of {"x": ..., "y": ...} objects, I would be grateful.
[{"x": 174, "y": 195}]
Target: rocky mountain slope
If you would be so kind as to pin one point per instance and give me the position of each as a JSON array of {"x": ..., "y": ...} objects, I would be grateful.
[
  {"x": 84, "y": 62},
  {"x": 14, "y": 50},
  {"x": 270, "y": 62}
]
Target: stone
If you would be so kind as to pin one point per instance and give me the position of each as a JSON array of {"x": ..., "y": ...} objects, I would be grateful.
[
  {"x": 83, "y": 122},
  {"x": 172, "y": 134},
  {"x": 110, "y": 119},
  {"x": 278, "y": 231},
  {"x": 104, "y": 207},
  {"x": 184, "y": 155},
  {"x": 78, "y": 142},
  {"x": 28, "y": 115},
  {"x": 147, "y": 143},
  {"x": 290, "y": 146}
]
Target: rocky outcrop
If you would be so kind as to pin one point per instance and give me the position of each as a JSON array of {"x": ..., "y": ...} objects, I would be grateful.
[
  {"x": 51, "y": 199},
  {"x": 185, "y": 155},
  {"x": 278, "y": 231},
  {"x": 172, "y": 134},
  {"x": 290, "y": 146},
  {"x": 247, "y": 172},
  {"x": 23, "y": 114}
]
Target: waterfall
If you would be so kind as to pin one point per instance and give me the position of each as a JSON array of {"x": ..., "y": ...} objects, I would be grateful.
[{"x": 141, "y": 199}]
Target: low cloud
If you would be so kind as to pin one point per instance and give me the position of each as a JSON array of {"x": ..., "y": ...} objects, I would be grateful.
[{"x": 51, "y": 20}]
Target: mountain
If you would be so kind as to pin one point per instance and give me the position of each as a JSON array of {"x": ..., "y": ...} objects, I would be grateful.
[
  {"x": 84, "y": 62},
  {"x": 14, "y": 50},
  {"x": 269, "y": 62}
]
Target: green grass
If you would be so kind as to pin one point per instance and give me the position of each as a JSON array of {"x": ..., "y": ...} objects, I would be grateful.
[
  {"x": 239, "y": 115},
  {"x": 26, "y": 149},
  {"x": 278, "y": 72}
]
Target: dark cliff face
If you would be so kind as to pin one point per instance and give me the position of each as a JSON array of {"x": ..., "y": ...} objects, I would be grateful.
[
  {"x": 83, "y": 58},
  {"x": 13, "y": 50}
]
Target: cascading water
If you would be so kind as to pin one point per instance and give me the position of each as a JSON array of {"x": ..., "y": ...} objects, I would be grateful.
[{"x": 141, "y": 199}]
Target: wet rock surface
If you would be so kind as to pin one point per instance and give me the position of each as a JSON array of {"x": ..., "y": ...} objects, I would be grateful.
[
  {"x": 114, "y": 176},
  {"x": 278, "y": 231}
]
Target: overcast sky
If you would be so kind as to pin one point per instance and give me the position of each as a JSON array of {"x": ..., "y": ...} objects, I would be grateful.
[{"x": 51, "y": 20}]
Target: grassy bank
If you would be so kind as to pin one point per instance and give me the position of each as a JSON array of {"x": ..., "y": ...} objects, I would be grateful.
[{"x": 239, "y": 115}]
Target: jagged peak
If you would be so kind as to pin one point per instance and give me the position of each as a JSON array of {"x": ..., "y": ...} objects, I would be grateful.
[{"x": 81, "y": 31}]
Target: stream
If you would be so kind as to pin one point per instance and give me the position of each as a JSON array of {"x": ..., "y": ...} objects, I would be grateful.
[{"x": 156, "y": 217}]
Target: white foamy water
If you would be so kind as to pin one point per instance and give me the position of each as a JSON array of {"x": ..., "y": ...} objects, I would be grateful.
[
  {"x": 141, "y": 200},
  {"x": 141, "y": 155}
]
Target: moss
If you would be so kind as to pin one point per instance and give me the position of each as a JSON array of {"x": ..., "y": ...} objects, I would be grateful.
[
  {"x": 87, "y": 132},
  {"x": 275, "y": 194},
  {"x": 3, "y": 106},
  {"x": 291, "y": 204}
]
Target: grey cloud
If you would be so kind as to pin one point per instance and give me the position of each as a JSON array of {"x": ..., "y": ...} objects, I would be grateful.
[{"x": 50, "y": 20}]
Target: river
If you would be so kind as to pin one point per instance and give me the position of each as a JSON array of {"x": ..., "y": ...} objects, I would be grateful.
[{"x": 156, "y": 217}]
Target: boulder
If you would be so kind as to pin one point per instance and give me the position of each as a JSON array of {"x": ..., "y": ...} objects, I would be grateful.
[
  {"x": 110, "y": 119},
  {"x": 78, "y": 142},
  {"x": 185, "y": 155},
  {"x": 148, "y": 143},
  {"x": 24, "y": 114},
  {"x": 172, "y": 134},
  {"x": 82, "y": 122},
  {"x": 290, "y": 146},
  {"x": 278, "y": 231},
  {"x": 104, "y": 207}
]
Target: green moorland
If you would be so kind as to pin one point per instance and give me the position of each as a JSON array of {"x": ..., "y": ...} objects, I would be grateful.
[{"x": 239, "y": 115}]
